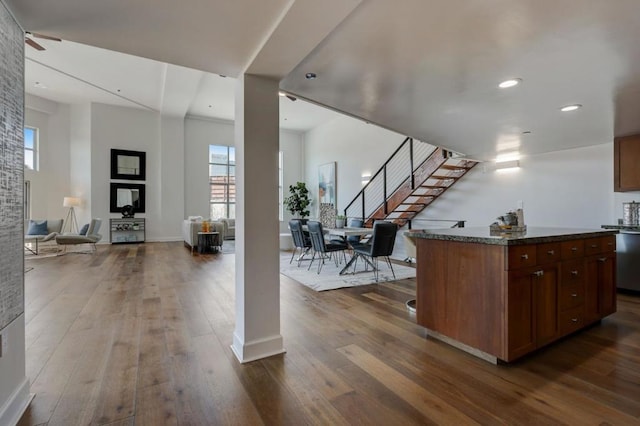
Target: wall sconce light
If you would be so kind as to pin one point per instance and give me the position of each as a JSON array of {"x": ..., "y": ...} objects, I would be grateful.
[
  {"x": 502, "y": 166},
  {"x": 365, "y": 179}
]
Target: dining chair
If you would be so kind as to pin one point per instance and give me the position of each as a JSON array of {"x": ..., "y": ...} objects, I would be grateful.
[
  {"x": 381, "y": 245},
  {"x": 301, "y": 240},
  {"x": 321, "y": 247}
]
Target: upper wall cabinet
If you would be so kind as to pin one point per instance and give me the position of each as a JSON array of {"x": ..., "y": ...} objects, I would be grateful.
[{"x": 626, "y": 164}]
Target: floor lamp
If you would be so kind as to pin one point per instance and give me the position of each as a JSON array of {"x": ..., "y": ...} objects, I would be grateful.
[{"x": 70, "y": 221}]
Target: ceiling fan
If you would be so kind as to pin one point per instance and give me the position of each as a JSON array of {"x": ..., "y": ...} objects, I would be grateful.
[{"x": 28, "y": 38}]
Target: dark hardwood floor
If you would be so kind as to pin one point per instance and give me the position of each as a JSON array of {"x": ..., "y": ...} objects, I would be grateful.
[{"x": 141, "y": 334}]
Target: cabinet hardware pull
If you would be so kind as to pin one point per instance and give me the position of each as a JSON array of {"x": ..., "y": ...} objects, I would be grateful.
[
  {"x": 525, "y": 256},
  {"x": 574, "y": 248},
  {"x": 574, "y": 319},
  {"x": 594, "y": 245},
  {"x": 574, "y": 272},
  {"x": 609, "y": 244},
  {"x": 538, "y": 273},
  {"x": 551, "y": 253},
  {"x": 602, "y": 259},
  {"x": 574, "y": 294}
]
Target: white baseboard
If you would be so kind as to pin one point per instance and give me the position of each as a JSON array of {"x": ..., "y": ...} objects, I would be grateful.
[
  {"x": 17, "y": 404},
  {"x": 257, "y": 349}
]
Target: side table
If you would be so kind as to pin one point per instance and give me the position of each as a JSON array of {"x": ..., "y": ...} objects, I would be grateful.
[{"x": 208, "y": 242}]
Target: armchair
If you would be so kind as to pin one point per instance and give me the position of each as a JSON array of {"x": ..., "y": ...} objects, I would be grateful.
[
  {"x": 92, "y": 237},
  {"x": 229, "y": 228},
  {"x": 40, "y": 231},
  {"x": 190, "y": 229}
]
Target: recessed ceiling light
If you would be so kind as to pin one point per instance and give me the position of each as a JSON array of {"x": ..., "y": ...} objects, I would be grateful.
[
  {"x": 210, "y": 106},
  {"x": 570, "y": 108},
  {"x": 310, "y": 76},
  {"x": 510, "y": 83}
]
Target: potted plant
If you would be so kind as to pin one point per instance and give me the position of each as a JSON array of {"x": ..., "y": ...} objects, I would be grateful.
[
  {"x": 298, "y": 200},
  {"x": 341, "y": 221}
]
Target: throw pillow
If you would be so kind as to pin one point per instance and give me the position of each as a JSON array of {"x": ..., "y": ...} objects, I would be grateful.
[
  {"x": 37, "y": 228},
  {"x": 84, "y": 229}
]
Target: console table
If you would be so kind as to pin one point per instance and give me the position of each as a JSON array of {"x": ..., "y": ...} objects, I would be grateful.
[{"x": 127, "y": 230}]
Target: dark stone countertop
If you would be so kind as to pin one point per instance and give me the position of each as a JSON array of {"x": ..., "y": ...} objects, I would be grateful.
[
  {"x": 622, "y": 227},
  {"x": 533, "y": 235}
]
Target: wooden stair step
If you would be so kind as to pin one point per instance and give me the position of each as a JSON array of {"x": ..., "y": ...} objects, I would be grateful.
[
  {"x": 443, "y": 177},
  {"x": 453, "y": 167},
  {"x": 411, "y": 208}
]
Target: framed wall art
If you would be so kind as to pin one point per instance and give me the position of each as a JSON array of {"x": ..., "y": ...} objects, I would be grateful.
[
  {"x": 327, "y": 184},
  {"x": 128, "y": 165}
]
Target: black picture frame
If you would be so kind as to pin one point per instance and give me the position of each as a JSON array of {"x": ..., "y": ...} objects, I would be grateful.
[
  {"x": 138, "y": 202},
  {"x": 134, "y": 170}
]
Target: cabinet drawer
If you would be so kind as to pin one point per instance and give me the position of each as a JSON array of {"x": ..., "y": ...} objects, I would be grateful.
[
  {"x": 571, "y": 296},
  {"x": 571, "y": 320},
  {"x": 572, "y": 272},
  {"x": 608, "y": 243},
  {"x": 548, "y": 253},
  {"x": 572, "y": 249},
  {"x": 521, "y": 256},
  {"x": 599, "y": 245},
  {"x": 592, "y": 246}
]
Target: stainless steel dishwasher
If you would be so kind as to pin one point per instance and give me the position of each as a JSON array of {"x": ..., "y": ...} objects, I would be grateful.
[{"x": 628, "y": 260}]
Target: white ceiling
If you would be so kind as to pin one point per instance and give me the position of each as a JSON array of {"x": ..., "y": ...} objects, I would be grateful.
[
  {"x": 425, "y": 69},
  {"x": 73, "y": 73}
]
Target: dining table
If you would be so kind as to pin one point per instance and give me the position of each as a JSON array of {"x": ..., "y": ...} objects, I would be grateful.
[
  {"x": 345, "y": 232},
  {"x": 351, "y": 232}
]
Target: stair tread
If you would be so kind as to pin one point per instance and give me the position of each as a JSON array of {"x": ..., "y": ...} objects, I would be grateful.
[{"x": 432, "y": 178}]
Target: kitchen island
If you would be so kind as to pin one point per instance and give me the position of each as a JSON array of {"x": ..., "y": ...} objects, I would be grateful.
[{"x": 501, "y": 296}]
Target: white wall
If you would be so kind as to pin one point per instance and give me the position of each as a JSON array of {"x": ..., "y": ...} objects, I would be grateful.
[
  {"x": 80, "y": 161},
  {"x": 171, "y": 191},
  {"x": 50, "y": 183},
  {"x": 357, "y": 148},
  {"x": 571, "y": 188},
  {"x": 292, "y": 149},
  {"x": 564, "y": 188},
  {"x": 132, "y": 129},
  {"x": 199, "y": 134}
]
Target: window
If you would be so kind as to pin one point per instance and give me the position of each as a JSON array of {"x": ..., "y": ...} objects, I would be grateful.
[
  {"x": 280, "y": 187},
  {"x": 31, "y": 148},
  {"x": 222, "y": 181}
]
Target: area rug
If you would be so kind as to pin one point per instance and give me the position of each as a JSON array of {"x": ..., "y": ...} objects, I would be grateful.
[{"x": 329, "y": 278}]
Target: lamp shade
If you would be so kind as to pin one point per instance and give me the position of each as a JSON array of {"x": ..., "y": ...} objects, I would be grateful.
[{"x": 71, "y": 202}]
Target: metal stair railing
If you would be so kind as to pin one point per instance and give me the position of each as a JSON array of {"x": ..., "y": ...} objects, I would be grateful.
[{"x": 400, "y": 167}]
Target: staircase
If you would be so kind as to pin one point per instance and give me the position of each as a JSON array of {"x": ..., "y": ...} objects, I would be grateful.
[{"x": 413, "y": 177}]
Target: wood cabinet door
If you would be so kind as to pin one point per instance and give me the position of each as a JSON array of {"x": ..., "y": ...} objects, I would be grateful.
[
  {"x": 626, "y": 157},
  {"x": 545, "y": 300},
  {"x": 600, "y": 287},
  {"x": 520, "y": 330},
  {"x": 607, "y": 283}
]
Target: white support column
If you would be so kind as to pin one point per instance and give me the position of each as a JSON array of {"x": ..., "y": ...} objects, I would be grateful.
[{"x": 257, "y": 333}]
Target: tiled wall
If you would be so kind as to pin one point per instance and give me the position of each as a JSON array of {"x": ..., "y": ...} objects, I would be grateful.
[{"x": 11, "y": 168}]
